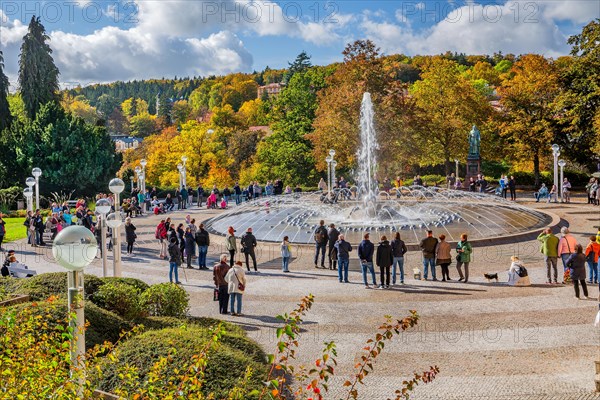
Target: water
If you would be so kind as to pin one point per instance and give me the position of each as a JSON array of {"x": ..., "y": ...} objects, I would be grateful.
[
  {"x": 367, "y": 157},
  {"x": 410, "y": 211}
]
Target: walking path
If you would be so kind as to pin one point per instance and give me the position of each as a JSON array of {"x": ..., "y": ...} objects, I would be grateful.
[{"x": 489, "y": 340}]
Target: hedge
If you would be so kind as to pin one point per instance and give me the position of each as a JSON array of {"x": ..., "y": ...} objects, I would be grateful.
[
  {"x": 227, "y": 365},
  {"x": 103, "y": 325},
  {"x": 42, "y": 286}
]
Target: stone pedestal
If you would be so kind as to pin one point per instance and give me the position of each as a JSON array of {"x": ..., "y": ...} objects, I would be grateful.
[{"x": 473, "y": 167}]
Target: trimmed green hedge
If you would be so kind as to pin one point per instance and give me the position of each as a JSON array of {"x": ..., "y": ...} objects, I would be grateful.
[
  {"x": 42, "y": 286},
  {"x": 227, "y": 365},
  {"x": 103, "y": 325}
]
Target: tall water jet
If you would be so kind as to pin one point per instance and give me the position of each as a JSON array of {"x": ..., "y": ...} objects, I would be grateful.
[{"x": 367, "y": 160}]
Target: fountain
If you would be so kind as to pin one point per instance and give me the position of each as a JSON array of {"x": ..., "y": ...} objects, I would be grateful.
[{"x": 410, "y": 210}]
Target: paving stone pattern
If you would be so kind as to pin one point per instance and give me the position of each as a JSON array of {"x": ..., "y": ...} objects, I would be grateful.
[{"x": 489, "y": 340}]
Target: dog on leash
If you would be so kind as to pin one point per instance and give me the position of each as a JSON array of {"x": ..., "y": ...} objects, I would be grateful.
[{"x": 489, "y": 277}]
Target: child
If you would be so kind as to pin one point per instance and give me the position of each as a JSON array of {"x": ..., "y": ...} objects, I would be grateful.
[{"x": 223, "y": 204}]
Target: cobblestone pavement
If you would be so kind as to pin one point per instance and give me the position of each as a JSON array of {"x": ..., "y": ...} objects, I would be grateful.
[{"x": 489, "y": 340}]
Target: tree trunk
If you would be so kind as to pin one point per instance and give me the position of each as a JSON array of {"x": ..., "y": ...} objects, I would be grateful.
[
  {"x": 448, "y": 166},
  {"x": 536, "y": 168}
]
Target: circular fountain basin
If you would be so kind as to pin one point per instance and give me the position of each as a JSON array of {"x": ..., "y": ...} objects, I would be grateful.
[{"x": 411, "y": 211}]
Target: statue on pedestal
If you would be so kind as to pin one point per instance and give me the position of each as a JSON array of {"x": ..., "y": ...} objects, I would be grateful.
[{"x": 474, "y": 142}]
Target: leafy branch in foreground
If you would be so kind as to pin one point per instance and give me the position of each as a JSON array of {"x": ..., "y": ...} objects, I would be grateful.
[{"x": 312, "y": 383}]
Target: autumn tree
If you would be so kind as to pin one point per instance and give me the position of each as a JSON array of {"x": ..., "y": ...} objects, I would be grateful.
[
  {"x": 38, "y": 75},
  {"x": 529, "y": 122},
  {"x": 448, "y": 106},
  {"x": 580, "y": 101}
]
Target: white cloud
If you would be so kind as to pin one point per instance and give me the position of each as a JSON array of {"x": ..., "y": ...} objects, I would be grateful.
[
  {"x": 475, "y": 29},
  {"x": 577, "y": 11}
]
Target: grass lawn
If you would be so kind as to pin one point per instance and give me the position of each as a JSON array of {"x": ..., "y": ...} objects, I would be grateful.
[{"x": 14, "y": 229}]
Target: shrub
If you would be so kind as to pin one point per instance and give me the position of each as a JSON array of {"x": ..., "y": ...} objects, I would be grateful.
[
  {"x": 226, "y": 367},
  {"x": 42, "y": 286},
  {"x": 103, "y": 325},
  {"x": 120, "y": 298},
  {"x": 166, "y": 300},
  {"x": 140, "y": 285}
]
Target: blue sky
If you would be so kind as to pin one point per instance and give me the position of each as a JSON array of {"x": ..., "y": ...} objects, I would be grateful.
[{"x": 102, "y": 41}]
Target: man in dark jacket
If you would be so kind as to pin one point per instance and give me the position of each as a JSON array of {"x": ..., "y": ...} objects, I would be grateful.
[
  {"x": 237, "y": 192},
  {"x": 333, "y": 236},
  {"x": 428, "y": 246},
  {"x": 321, "y": 239},
  {"x": 248, "y": 242},
  {"x": 38, "y": 222},
  {"x": 203, "y": 241},
  {"x": 219, "y": 272},
  {"x": 200, "y": 195},
  {"x": 384, "y": 259},
  {"x": 174, "y": 260},
  {"x": 343, "y": 249},
  {"x": 365, "y": 254},
  {"x": 398, "y": 251}
]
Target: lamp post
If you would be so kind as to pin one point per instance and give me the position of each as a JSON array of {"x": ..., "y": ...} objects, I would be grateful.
[
  {"x": 131, "y": 178},
  {"x": 36, "y": 172},
  {"x": 556, "y": 152},
  {"x": 30, "y": 182},
  {"x": 116, "y": 186},
  {"x": 103, "y": 208},
  {"x": 28, "y": 193},
  {"x": 456, "y": 174},
  {"x": 74, "y": 248},
  {"x": 328, "y": 161},
  {"x": 180, "y": 168},
  {"x": 332, "y": 155},
  {"x": 561, "y": 164},
  {"x": 143, "y": 163}
]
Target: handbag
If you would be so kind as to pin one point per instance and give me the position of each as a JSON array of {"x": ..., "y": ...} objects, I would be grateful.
[
  {"x": 216, "y": 294},
  {"x": 241, "y": 286},
  {"x": 458, "y": 257}
]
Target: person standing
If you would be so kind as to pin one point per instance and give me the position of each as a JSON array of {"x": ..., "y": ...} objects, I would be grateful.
[
  {"x": 321, "y": 239},
  {"x": 202, "y": 239},
  {"x": 503, "y": 185},
  {"x": 332, "y": 237},
  {"x": 200, "y": 192},
  {"x": 464, "y": 250},
  {"x": 566, "y": 245},
  {"x": 190, "y": 246},
  {"x": 428, "y": 246},
  {"x": 385, "y": 259},
  {"x": 236, "y": 285},
  {"x": 512, "y": 187},
  {"x": 248, "y": 242},
  {"x": 286, "y": 254},
  {"x": 181, "y": 238},
  {"x": 365, "y": 254},
  {"x": 566, "y": 191},
  {"x": 591, "y": 256},
  {"x": 443, "y": 257},
  {"x": 549, "y": 248},
  {"x": 220, "y": 271},
  {"x": 576, "y": 262},
  {"x": 398, "y": 251},
  {"x": 237, "y": 192},
  {"x": 343, "y": 250},
  {"x": 161, "y": 235},
  {"x": 230, "y": 243},
  {"x": 130, "y": 234},
  {"x": 174, "y": 260}
]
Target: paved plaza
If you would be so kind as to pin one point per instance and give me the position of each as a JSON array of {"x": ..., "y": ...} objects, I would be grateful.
[{"x": 490, "y": 341}]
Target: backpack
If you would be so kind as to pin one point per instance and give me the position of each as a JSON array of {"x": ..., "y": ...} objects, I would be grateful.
[
  {"x": 522, "y": 271},
  {"x": 320, "y": 236}
]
